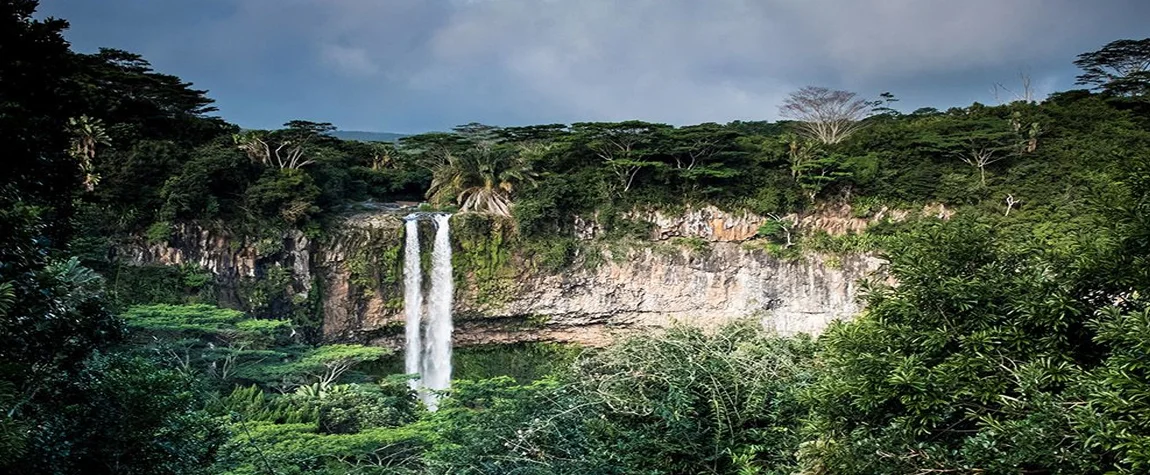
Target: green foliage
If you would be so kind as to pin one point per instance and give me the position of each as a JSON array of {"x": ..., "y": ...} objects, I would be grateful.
[
  {"x": 376, "y": 264},
  {"x": 1014, "y": 342},
  {"x": 270, "y": 293},
  {"x": 159, "y": 232},
  {"x": 323, "y": 365},
  {"x": 222, "y": 345},
  {"x": 679, "y": 402},
  {"x": 390, "y": 404},
  {"x": 1113, "y": 408},
  {"x": 358, "y": 429},
  {"x": 482, "y": 178},
  {"x": 970, "y": 363},
  {"x": 287, "y": 193},
  {"x": 259, "y": 448},
  {"x": 524, "y": 362},
  {"x": 253, "y": 404},
  {"x": 483, "y": 260},
  {"x": 139, "y": 418},
  {"x": 185, "y": 284},
  {"x": 1117, "y": 68}
]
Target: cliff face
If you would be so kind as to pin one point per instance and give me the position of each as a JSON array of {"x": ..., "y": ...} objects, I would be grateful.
[
  {"x": 654, "y": 287},
  {"x": 355, "y": 276}
]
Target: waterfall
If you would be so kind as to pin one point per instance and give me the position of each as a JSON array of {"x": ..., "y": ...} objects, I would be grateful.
[
  {"x": 437, "y": 365},
  {"x": 412, "y": 300},
  {"x": 428, "y": 345}
]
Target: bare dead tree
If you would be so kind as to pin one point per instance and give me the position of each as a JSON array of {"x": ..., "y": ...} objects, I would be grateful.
[
  {"x": 786, "y": 226},
  {"x": 255, "y": 148},
  {"x": 1010, "y": 202},
  {"x": 1025, "y": 93},
  {"x": 285, "y": 156},
  {"x": 981, "y": 157},
  {"x": 825, "y": 115},
  {"x": 293, "y": 156}
]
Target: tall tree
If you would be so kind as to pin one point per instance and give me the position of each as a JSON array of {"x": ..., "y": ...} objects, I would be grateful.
[
  {"x": 978, "y": 141},
  {"x": 87, "y": 133},
  {"x": 1121, "y": 67},
  {"x": 625, "y": 147},
  {"x": 291, "y": 145},
  {"x": 825, "y": 115},
  {"x": 481, "y": 179},
  {"x": 35, "y": 65}
]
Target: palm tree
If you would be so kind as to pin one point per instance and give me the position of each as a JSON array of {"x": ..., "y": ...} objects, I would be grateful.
[
  {"x": 481, "y": 179},
  {"x": 87, "y": 133}
]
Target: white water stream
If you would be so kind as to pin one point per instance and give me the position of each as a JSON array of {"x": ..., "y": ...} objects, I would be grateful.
[
  {"x": 428, "y": 332},
  {"x": 412, "y": 301}
]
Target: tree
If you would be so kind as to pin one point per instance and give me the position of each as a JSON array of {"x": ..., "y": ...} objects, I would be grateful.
[
  {"x": 479, "y": 134},
  {"x": 291, "y": 144},
  {"x": 813, "y": 167},
  {"x": 481, "y": 179},
  {"x": 976, "y": 141},
  {"x": 139, "y": 103},
  {"x": 702, "y": 155},
  {"x": 36, "y": 100},
  {"x": 825, "y": 115},
  {"x": 884, "y": 105},
  {"x": 383, "y": 156},
  {"x": 963, "y": 367},
  {"x": 205, "y": 340},
  {"x": 286, "y": 155},
  {"x": 779, "y": 227},
  {"x": 1121, "y": 67},
  {"x": 326, "y": 364},
  {"x": 681, "y": 400},
  {"x": 625, "y": 147},
  {"x": 86, "y": 134}
]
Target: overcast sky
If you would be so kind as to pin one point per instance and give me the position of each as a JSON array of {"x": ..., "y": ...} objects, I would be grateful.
[{"x": 418, "y": 65}]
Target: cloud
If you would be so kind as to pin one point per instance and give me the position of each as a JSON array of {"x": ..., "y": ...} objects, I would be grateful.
[
  {"x": 432, "y": 63},
  {"x": 687, "y": 61},
  {"x": 353, "y": 62}
]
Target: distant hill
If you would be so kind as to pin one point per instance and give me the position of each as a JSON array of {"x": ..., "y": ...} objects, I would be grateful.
[{"x": 367, "y": 136}]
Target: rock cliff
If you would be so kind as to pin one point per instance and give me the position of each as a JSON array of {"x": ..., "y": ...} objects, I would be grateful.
[
  {"x": 354, "y": 274},
  {"x": 656, "y": 286}
]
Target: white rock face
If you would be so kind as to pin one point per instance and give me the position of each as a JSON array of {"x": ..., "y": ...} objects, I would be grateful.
[
  {"x": 647, "y": 287},
  {"x": 705, "y": 288}
]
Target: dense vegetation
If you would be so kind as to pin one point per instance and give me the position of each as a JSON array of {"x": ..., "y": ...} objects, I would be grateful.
[{"x": 1016, "y": 341}]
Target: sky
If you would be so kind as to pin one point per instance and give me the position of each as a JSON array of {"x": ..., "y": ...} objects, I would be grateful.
[{"x": 411, "y": 66}]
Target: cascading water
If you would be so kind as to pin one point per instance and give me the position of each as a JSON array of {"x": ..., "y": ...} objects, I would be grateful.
[
  {"x": 428, "y": 346},
  {"x": 412, "y": 301},
  {"x": 437, "y": 365}
]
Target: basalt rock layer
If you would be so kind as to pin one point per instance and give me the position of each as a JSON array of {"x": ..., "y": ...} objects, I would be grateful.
[{"x": 354, "y": 273}]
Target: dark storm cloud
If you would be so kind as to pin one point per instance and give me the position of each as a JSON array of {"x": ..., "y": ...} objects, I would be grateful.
[{"x": 417, "y": 64}]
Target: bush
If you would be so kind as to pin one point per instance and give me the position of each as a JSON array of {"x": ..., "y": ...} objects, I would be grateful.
[
  {"x": 682, "y": 401},
  {"x": 963, "y": 366},
  {"x": 390, "y": 404}
]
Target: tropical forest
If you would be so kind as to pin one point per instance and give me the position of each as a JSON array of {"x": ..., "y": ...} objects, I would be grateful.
[{"x": 848, "y": 288}]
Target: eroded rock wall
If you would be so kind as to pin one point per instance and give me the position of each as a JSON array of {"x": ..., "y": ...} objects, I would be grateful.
[
  {"x": 355, "y": 273},
  {"x": 654, "y": 287}
]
